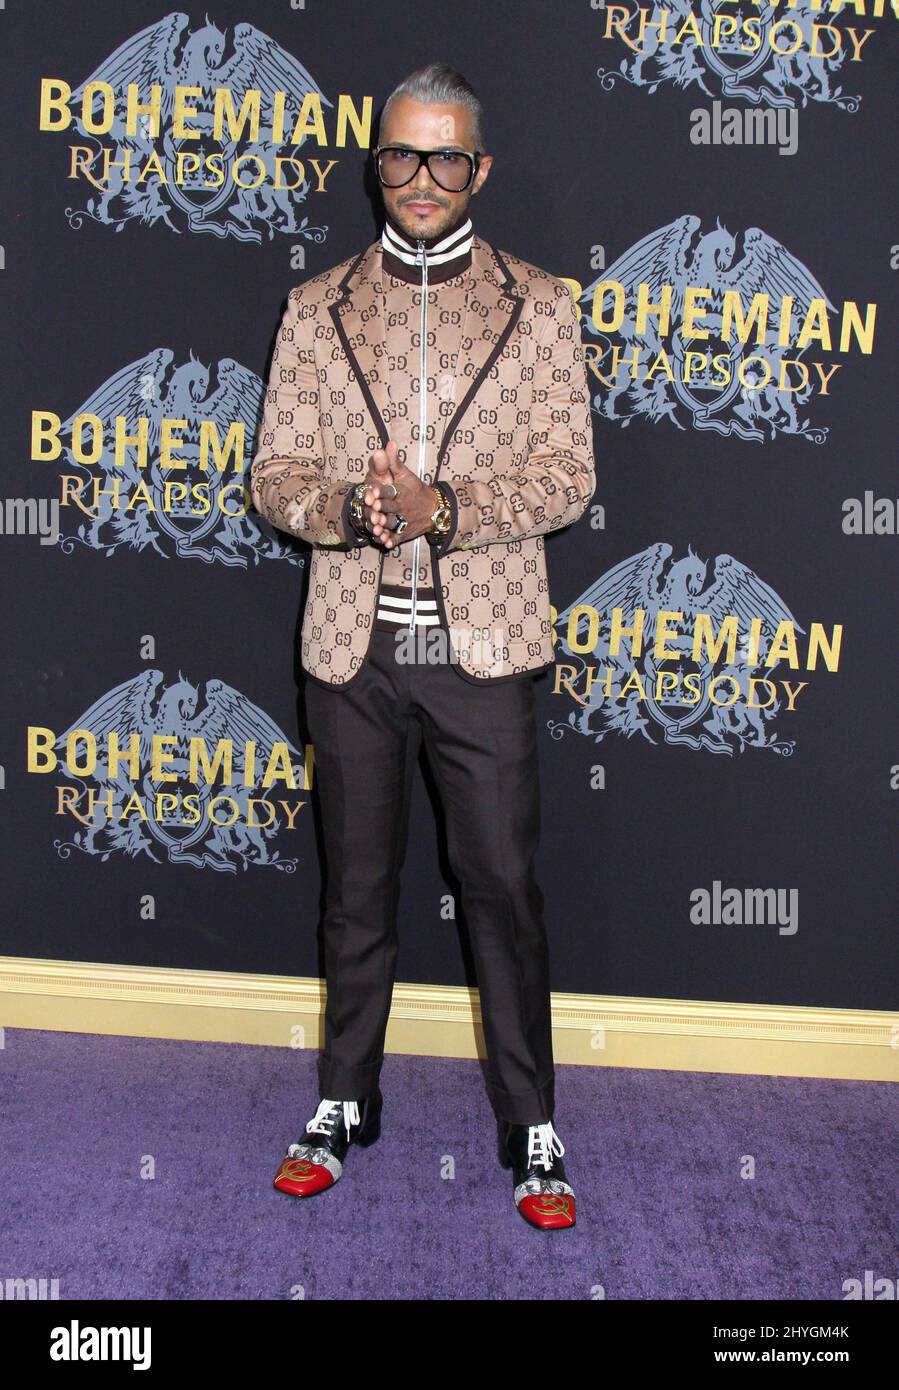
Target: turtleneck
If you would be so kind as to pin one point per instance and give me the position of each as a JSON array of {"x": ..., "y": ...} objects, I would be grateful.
[{"x": 448, "y": 256}]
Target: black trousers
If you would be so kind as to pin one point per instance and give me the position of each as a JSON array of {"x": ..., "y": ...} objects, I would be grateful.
[{"x": 481, "y": 744}]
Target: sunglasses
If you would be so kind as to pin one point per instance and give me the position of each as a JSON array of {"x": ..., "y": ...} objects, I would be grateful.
[{"x": 451, "y": 170}]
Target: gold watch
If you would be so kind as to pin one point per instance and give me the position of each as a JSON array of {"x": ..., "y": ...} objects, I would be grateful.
[
  {"x": 441, "y": 516},
  {"x": 357, "y": 509}
]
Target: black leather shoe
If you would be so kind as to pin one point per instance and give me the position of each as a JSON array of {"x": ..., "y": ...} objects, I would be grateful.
[
  {"x": 541, "y": 1192},
  {"x": 315, "y": 1162}
]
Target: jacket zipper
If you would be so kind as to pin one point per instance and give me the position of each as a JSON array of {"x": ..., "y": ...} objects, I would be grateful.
[{"x": 422, "y": 260}]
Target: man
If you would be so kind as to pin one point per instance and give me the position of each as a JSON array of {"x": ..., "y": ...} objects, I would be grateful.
[{"x": 429, "y": 389}]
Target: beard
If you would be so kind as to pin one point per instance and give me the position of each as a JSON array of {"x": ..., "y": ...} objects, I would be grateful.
[{"x": 432, "y": 236}]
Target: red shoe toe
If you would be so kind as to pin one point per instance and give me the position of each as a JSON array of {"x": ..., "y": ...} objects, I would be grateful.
[
  {"x": 301, "y": 1178},
  {"x": 548, "y": 1210}
]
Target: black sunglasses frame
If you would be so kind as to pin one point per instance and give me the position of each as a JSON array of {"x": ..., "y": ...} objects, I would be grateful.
[{"x": 424, "y": 156}]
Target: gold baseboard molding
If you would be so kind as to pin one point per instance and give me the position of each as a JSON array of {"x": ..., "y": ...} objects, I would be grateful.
[{"x": 444, "y": 1021}]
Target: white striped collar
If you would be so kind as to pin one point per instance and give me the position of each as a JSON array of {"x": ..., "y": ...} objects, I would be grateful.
[{"x": 452, "y": 251}]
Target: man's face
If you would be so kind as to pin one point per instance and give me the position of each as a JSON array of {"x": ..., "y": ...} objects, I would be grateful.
[{"x": 421, "y": 208}]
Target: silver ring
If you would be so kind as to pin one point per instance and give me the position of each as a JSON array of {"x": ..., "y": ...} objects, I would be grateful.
[{"x": 401, "y": 523}]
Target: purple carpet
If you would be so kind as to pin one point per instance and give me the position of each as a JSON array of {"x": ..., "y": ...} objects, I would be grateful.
[{"x": 655, "y": 1159}]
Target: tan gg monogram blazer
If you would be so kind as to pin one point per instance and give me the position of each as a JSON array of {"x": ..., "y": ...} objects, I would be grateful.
[{"x": 516, "y": 459}]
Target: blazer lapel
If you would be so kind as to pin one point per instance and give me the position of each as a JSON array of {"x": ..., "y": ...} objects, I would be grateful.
[
  {"x": 360, "y": 328},
  {"x": 492, "y": 308}
]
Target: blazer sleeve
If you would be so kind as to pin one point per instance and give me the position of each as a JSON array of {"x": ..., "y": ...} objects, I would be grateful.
[
  {"x": 555, "y": 485},
  {"x": 286, "y": 475}
]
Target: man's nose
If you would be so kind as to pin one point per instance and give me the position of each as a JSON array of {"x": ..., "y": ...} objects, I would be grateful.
[{"x": 423, "y": 182}]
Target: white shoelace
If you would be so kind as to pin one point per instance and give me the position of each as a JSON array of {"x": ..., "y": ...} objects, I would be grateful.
[
  {"x": 326, "y": 1115},
  {"x": 543, "y": 1142}
]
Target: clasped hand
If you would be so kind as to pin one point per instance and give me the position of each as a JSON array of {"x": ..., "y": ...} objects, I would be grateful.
[{"x": 408, "y": 496}]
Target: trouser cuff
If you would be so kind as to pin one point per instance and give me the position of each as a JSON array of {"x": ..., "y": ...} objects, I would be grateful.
[
  {"x": 337, "y": 1082},
  {"x": 524, "y": 1107}
]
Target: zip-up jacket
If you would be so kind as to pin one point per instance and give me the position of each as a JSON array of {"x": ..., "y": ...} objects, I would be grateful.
[{"x": 423, "y": 301}]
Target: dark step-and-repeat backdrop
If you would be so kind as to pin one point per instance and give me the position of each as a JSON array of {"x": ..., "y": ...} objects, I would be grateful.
[{"x": 718, "y": 747}]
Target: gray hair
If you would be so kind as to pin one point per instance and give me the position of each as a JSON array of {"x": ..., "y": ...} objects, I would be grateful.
[{"x": 439, "y": 82}]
